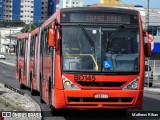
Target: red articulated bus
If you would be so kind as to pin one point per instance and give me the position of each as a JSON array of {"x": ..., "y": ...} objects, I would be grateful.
[
  {"x": 85, "y": 58},
  {"x": 22, "y": 59}
]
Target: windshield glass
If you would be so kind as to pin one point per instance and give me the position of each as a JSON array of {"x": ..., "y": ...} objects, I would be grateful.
[{"x": 100, "y": 49}]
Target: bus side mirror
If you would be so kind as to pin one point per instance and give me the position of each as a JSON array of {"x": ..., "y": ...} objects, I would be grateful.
[
  {"x": 51, "y": 38},
  {"x": 148, "y": 49},
  {"x": 148, "y": 40}
]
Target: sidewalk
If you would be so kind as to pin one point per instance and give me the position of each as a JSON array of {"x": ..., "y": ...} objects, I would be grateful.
[
  {"x": 12, "y": 99},
  {"x": 155, "y": 89},
  {"x": 152, "y": 90},
  {"x": 17, "y": 105}
]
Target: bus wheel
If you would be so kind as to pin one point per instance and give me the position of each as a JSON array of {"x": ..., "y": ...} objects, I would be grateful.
[
  {"x": 20, "y": 83},
  {"x": 40, "y": 86}
]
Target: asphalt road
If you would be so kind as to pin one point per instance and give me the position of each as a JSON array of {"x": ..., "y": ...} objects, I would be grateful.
[
  {"x": 10, "y": 58},
  {"x": 151, "y": 103}
]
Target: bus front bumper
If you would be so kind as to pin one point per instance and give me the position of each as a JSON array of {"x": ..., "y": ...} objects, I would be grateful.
[{"x": 85, "y": 99}]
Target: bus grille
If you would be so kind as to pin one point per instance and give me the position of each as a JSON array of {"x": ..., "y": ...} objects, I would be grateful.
[
  {"x": 101, "y": 84},
  {"x": 91, "y": 99}
]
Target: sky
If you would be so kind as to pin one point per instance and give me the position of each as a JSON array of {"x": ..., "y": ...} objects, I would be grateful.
[{"x": 153, "y": 3}]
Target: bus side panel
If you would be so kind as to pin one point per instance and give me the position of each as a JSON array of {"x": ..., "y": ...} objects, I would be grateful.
[
  {"x": 142, "y": 63},
  {"x": 48, "y": 77},
  {"x": 58, "y": 71},
  {"x": 17, "y": 59},
  {"x": 22, "y": 68},
  {"x": 35, "y": 65},
  {"x": 31, "y": 65}
]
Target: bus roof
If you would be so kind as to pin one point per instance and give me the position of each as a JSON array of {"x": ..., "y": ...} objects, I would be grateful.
[
  {"x": 100, "y": 9},
  {"x": 35, "y": 31},
  {"x": 22, "y": 36}
]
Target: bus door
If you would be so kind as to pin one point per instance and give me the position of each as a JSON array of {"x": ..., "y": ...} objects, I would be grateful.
[
  {"x": 22, "y": 59},
  {"x": 41, "y": 79},
  {"x": 32, "y": 58},
  {"x": 17, "y": 59},
  {"x": 38, "y": 60},
  {"x": 47, "y": 65},
  {"x": 27, "y": 61},
  {"x": 35, "y": 64}
]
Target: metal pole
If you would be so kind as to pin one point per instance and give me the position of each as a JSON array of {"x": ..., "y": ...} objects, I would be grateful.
[
  {"x": 148, "y": 16},
  {"x": 154, "y": 69},
  {"x": 30, "y": 26},
  {"x": 10, "y": 37},
  {"x": 148, "y": 37},
  {"x": 10, "y": 41},
  {"x": 148, "y": 72},
  {"x": 0, "y": 41}
]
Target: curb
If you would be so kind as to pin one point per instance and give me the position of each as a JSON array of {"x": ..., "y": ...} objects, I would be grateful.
[
  {"x": 38, "y": 108},
  {"x": 13, "y": 65},
  {"x": 8, "y": 63},
  {"x": 152, "y": 90},
  {"x": 17, "y": 99},
  {"x": 11, "y": 54}
]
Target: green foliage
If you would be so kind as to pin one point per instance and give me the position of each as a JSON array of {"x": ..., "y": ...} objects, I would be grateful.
[
  {"x": 27, "y": 28},
  {"x": 6, "y": 104},
  {"x": 12, "y": 24}
]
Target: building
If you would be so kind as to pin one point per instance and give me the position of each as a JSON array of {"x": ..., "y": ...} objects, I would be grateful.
[
  {"x": 73, "y": 3},
  {"x": 154, "y": 29},
  {"x": 1, "y": 9},
  {"x": 111, "y": 3},
  {"x": 28, "y": 11},
  {"x": 57, "y": 4},
  {"x": 8, "y": 38}
]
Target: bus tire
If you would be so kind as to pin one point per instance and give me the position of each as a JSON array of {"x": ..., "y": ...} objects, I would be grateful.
[
  {"x": 40, "y": 87},
  {"x": 20, "y": 82}
]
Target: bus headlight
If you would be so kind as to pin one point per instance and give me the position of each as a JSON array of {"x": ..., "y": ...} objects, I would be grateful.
[
  {"x": 132, "y": 85},
  {"x": 67, "y": 84}
]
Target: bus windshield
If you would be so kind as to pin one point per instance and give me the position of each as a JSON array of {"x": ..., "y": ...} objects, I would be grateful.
[{"x": 113, "y": 49}]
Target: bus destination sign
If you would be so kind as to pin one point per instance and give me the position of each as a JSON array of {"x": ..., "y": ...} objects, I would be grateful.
[{"x": 96, "y": 18}]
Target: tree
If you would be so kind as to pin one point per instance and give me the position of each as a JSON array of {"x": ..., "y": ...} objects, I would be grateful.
[
  {"x": 12, "y": 24},
  {"x": 27, "y": 27}
]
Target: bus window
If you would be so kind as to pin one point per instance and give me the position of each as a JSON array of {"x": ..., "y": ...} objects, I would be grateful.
[
  {"x": 48, "y": 49},
  {"x": 78, "y": 48},
  {"x": 122, "y": 51},
  {"x": 32, "y": 45},
  {"x": 17, "y": 48},
  {"x": 41, "y": 42},
  {"x": 22, "y": 48},
  {"x": 98, "y": 46}
]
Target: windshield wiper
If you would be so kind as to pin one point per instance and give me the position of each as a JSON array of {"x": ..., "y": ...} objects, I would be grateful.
[
  {"x": 86, "y": 34},
  {"x": 121, "y": 26}
]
